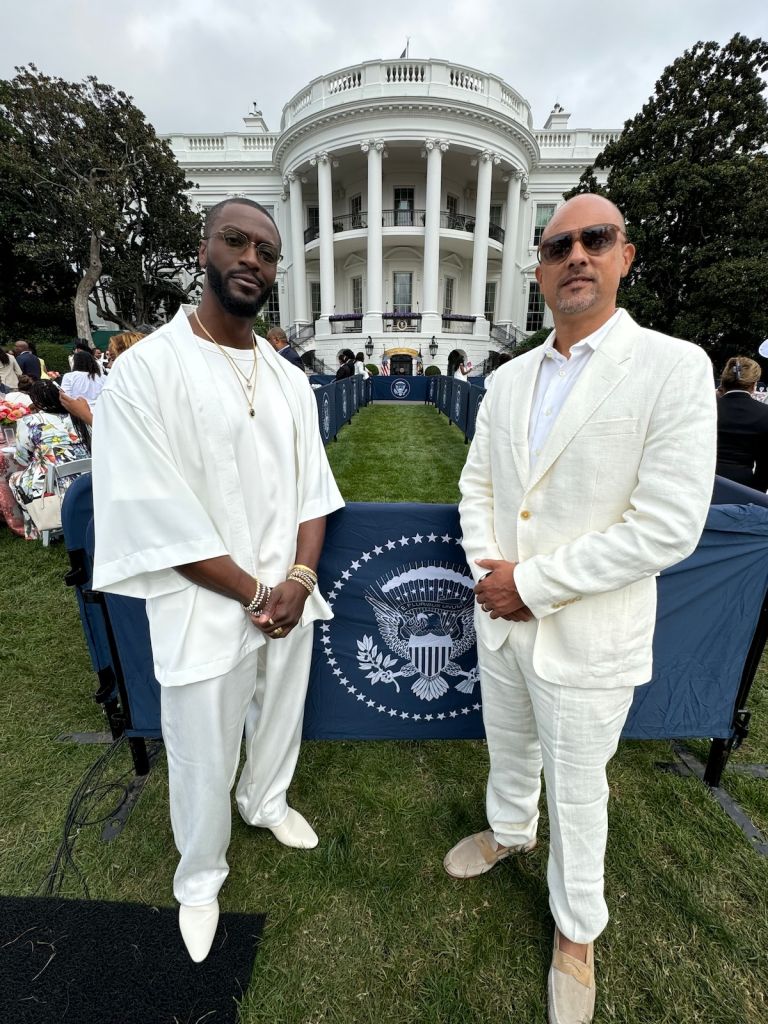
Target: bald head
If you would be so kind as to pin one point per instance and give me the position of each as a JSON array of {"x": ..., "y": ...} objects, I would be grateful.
[{"x": 585, "y": 209}]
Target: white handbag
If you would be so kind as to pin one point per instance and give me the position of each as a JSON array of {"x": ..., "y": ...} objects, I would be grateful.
[{"x": 45, "y": 512}]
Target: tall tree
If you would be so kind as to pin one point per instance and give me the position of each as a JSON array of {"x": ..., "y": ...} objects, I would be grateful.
[
  {"x": 690, "y": 174},
  {"x": 96, "y": 191}
]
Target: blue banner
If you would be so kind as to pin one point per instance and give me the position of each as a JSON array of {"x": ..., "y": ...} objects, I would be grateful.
[
  {"x": 476, "y": 396},
  {"x": 399, "y": 389},
  {"x": 398, "y": 659},
  {"x": 459, "y": 402},
  {"x": 326, "y": 411}
]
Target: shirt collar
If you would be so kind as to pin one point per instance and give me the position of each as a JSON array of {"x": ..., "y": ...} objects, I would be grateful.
[{"x": 592, "y": 341}]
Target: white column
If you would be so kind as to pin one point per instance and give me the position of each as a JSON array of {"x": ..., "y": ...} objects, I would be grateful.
[
  {"x": 431, "y": 321},
  {"x": 299, "y": 266},
  {"x": 510, "y": 253},
  {"x": 372, "y": 322},
  {"x": 520, "y": 294},
  {"x": 486, "y": 160},
  {"x": 325, "y": 203}
]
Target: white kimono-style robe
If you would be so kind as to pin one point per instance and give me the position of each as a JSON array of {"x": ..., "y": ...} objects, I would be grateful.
[{"x": 167, "y": 492}]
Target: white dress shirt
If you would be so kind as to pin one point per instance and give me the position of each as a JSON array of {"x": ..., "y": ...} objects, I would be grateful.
[{"x": 557, "y": 376}]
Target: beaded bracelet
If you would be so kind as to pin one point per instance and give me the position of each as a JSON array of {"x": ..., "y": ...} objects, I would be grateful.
[
  {"x": 308, "y": 584},
  {"x": 304, "y": 568},
  {"x": 259, "y": 599}
]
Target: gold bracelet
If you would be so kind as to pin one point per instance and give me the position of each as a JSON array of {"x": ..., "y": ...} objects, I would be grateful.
[
  {"x": 295, "y": 578},
  {"x": 306, "y": 568}
]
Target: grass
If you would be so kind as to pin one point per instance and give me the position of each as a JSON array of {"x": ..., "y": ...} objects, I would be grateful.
[{"x": 368, "y": 927}]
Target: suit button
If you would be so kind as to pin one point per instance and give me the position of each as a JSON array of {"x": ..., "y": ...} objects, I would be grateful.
[{"x": 525, "y": 514}]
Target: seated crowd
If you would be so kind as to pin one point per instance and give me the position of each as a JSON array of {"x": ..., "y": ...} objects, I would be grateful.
[{"x": 53, "y": 427}]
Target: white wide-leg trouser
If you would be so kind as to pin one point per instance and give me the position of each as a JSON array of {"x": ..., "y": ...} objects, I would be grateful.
[
  {"x": 572, "y": 733},
  {"x": 202, "y": 727}
]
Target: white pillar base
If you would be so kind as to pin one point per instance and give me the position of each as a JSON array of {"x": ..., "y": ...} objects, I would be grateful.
[
  {"x": 372, "y": 323},
  {"x": 323, "y": 329},
  {"x": 482, "y": 328},
  {"x": 431, "y": 323}
]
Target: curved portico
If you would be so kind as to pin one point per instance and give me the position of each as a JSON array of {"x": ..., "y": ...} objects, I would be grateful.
[{"x": 410, "y": 195}]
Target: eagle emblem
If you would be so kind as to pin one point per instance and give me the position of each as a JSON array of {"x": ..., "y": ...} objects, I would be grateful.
[{"x": 424, "y": 613}]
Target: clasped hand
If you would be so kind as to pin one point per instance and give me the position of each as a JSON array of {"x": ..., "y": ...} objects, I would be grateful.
[
  {"x": 497, "y": 593},
  {"x": 282, "y": 611}
]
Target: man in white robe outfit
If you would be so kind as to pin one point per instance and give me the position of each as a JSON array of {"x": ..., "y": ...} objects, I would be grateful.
[
  {"x": 590, "y": 471},
  {"x": 210, "y": 485}
]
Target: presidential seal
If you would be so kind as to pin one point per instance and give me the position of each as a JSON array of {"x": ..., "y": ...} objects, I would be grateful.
[
  {"x": 402, "y": 642},
  {"x": 400, "y": 388}
]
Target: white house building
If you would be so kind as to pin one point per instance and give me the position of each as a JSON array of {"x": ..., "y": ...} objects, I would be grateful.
[{"x": 410, "y": 195}]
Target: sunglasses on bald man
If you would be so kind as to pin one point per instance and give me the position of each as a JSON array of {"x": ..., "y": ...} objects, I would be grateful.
[{"x": 596, "y": 240}]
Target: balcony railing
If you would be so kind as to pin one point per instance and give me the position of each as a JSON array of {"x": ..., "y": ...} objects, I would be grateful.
[
  {"x": 457, "y": 323},
  {"x": 346, "y": 323},
  {"x": 379, "y": 82},
  {"x": 404, "y": 219}
]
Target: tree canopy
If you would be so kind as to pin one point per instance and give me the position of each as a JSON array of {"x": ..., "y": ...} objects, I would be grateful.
[
  {"x": 690, "y": 174},
  {"x": 93, "y": 200}
]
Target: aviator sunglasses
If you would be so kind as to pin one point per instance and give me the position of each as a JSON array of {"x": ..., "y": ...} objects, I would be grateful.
[
  {"x": 238, "y": 242},
  {"x": 596, "y": 239}
]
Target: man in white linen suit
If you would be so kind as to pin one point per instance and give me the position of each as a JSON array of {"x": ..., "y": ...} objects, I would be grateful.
[
  {"x": 211, "y": 488},
  {"x": 591, "y": 470}
]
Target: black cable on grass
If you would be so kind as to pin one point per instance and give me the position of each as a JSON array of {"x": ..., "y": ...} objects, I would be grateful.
[{"x": 90, "y": 792}]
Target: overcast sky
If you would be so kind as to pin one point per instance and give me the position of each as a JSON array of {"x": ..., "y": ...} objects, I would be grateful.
[{"x": 198, "y": 65}]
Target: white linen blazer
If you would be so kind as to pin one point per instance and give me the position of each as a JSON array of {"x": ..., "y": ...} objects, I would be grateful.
[{"x": 620, "y": 491}]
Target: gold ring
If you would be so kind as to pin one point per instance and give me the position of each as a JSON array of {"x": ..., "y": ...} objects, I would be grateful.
[{"x": 277, "y": 631}]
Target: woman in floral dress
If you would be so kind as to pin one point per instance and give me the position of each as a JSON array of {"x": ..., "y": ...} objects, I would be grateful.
[{"x": 45, "y": 437}]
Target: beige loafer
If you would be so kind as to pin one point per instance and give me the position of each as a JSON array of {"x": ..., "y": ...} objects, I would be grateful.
[
  {"x": 571, "y": 987},
  {"x": 478, "y": 853}
]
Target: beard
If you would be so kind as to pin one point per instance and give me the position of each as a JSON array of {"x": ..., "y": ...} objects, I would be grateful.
[
  {"x": 577, "y": 303},
  {"x": 239, "y": 306}
]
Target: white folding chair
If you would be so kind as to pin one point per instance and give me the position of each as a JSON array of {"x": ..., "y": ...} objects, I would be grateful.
[{"x": 53, "y": 475}]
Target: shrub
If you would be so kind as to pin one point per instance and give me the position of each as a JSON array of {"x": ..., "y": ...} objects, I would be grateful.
[
  {"x": 372, "y": 369},
  {"x": 532, "y": 341},
  {"x": 54, "y": 356},
  {"x": 432, "y": 371}
]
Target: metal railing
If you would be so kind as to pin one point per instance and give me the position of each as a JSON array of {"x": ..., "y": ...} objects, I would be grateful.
[
  {"x": 405, "y": 219},
  {"x": 506, "y": 335}
]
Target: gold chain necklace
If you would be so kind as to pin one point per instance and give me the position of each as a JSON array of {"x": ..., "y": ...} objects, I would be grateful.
[{"x": 249, "y": 387}]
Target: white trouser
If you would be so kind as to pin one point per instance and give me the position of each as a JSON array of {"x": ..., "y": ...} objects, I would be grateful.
[
  {"x": 203, "y": 727},
  {"x": 572, "y": 733}
]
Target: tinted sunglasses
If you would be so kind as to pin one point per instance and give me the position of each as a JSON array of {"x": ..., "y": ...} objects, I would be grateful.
[
  {"x": 596, "y": 239},
  {"x": 237, "y": 241}
]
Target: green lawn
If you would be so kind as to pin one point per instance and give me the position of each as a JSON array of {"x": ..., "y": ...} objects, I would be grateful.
[{"x": 368, "y": 927}]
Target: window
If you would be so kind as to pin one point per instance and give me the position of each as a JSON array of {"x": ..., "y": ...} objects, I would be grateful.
[
  {"x": 452, "y": 206},
  {"x": 313, "y": 217},
  {"x": 357, "y": 295},
  {"x": 314, "y": 299},
  {"x": 448, "y": 287},
  {"x": 355, "y": 212},
  {"x": 271, "y": 312},
  {"x": 544, "y": 214},
  {"x": 535, "y": 317},
  {"x": 490, "y": 301},
  {"x": 402, "y": 291},
  {"x": 495, "y": 217},
  {"x": 403, "y": 207}
]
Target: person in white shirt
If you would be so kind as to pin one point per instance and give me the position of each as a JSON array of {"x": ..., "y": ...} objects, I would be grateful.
[
  {"x": 211, "y": 488},
  {"x": 84, "y": 380},
  {"x": 590, "y": 471}
]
